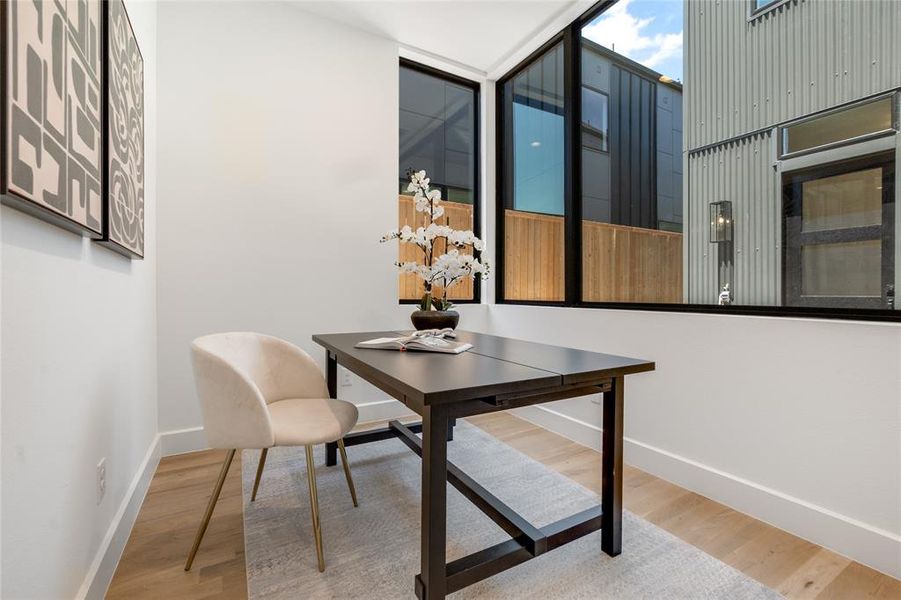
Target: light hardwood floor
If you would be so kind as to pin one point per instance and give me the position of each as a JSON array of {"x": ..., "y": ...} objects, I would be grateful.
[{"x": 152, "y": 564}]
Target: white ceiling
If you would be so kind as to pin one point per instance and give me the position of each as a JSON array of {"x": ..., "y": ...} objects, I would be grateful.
[{"x": 476, "y": 33}]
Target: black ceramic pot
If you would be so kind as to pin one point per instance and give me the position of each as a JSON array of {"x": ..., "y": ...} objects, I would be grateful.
[{"x": 435, "y": 319}]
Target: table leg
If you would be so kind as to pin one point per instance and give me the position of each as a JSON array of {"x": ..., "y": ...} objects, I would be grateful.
[
  {"x": 331, "y": 378},
  {"x": 612, "y": 471},
  {"x": 431, "y": 583}
]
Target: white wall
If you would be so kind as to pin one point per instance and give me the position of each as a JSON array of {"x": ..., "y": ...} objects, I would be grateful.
[
  {"x": 796, "y": 422},
  {"x": 78, "y": 384},
  {"x": 278, "y": 165}
]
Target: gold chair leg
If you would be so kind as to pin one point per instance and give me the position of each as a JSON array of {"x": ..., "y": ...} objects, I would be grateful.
[
  {"x": 209, "y": 508},
  {"x": 256, "y": 482},
  {"x": 350, "y": 480},
  {"x": 314, "y": 507}
]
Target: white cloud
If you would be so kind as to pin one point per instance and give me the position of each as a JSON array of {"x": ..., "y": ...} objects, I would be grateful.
[
  {"x": 668, "y": 46},
  {"x": 620, "y": 30}
]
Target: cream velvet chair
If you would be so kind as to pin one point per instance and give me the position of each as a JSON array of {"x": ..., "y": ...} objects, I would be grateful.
[{"x": 258, "y": 391}]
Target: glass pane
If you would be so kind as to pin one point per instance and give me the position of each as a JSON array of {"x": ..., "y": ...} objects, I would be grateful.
[
  {"x": 631, "y": 153},
  {"x": 594, "y": 119},
  {"x": 851, "y": 269},
  {"x": 853, "y": 122},
  {"x": 534, "y": 170},
  {"x": 459, "y": 195},
  {"x": 437, "y": 135},
  {"x": 842, "y": 201}
]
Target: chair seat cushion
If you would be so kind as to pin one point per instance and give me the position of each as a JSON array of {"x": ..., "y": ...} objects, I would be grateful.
[{"x": 302, "y": 421}]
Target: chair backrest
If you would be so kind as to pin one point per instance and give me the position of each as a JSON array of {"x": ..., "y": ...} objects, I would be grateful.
[{"x": 238, "y": 374}]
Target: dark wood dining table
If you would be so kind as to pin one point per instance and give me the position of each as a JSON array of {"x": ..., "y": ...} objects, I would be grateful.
[{"x": 498, "y": 373}]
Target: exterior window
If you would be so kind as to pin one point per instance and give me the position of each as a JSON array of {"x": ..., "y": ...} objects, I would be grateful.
[
  {"x": 438, "y": 124},
  {"x": 839, "y": 236},
  {"x": 849, "y": 124},
  {"x": 533, "y": 166},
  {"x": 594, "y": 119},
  {"x": 631, "y": 160},
  {"x": 758, "y": 5},
  {"x": 779, "y": 198}
]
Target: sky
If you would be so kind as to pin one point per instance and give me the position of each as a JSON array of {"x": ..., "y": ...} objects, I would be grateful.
[{"x": 647, "y": 31}]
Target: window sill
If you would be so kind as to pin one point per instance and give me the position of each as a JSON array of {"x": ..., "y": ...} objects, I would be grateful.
[
  {"x": 455, "y": 302},
  {"x": 845, "y": 314}
]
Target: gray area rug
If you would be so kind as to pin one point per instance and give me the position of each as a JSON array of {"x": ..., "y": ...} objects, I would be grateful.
[{"x": 373, "y": 551}]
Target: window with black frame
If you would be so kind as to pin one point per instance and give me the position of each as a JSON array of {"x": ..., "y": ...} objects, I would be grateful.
[
  {"x": 438, "y": 134},
  {"x": 533, "y": 107},
  {"x": 764, "y": 183},
  {"x": 631, "y": 196},
  {"x": 839, "y": 235}
]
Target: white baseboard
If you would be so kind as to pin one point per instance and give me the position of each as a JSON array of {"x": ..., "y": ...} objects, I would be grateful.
[
  {"x": 107, "y": 558},
  {"x": 179, "y": 441},
  {"x": 380, "y": 410},
  {"x": 192, "y": 439},
  {"x": 872, "y": 546}
]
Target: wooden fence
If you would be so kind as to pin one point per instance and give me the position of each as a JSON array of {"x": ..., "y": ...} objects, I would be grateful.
[
  {"x": 629, "y": 264},
  {"x": 619, "y": 263},
  {"x": 456, "y": 215},
  {"x": 533, "y": 256}
]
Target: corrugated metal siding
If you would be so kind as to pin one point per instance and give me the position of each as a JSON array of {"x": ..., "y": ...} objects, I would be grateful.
[
  {"x": 801, "y": 57},
  {"x": 741, "y": 172}
]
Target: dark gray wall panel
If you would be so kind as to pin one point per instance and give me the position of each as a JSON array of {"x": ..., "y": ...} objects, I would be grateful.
[{"x": 632, "y": 150}]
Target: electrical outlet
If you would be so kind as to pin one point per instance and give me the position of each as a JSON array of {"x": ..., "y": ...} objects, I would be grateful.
[
  {"x": 345, "y": 377},
  {"x": 101, "y": 480}
]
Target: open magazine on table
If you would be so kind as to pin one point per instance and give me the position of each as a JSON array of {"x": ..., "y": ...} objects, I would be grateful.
[{"x": 428, "y": 340}]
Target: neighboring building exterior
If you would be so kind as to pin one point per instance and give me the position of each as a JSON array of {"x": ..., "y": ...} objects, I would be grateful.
[
  {"x": 438, "y": 133},
  {"x": 638, "y": 140},
  {"x": 631, "y": 141},
  {"x": 630, "y": 147},
  {"x": 813, "y": 201}
]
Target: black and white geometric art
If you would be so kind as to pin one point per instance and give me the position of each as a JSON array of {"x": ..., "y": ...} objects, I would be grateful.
[
  {"x": 52, "y": 144},
  {"x": 124, "y": 182}
]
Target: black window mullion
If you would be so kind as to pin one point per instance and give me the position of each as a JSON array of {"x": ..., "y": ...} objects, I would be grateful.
[
  {"x": 503, "y": 176},
  {"x": 845, "y": 235},
  {"x": 572, "y": 166}
]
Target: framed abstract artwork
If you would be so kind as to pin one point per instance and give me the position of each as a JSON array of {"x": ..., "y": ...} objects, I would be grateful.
[
  {"x": 52, "y": 159},
  {"x": 123, "y": 177}
]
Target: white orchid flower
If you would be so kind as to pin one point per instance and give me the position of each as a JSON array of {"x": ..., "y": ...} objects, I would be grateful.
[
  {"x": 450, "y": 268},
  {"x": 407, "y": 267},
  {"x": 422, "y": 203},
  {"x": 435, "y": 230}
]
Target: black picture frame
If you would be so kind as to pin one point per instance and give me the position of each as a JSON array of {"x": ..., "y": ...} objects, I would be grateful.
[
  {"x": 9, "y": 196},
  {"x": 108, "y": 238}
]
